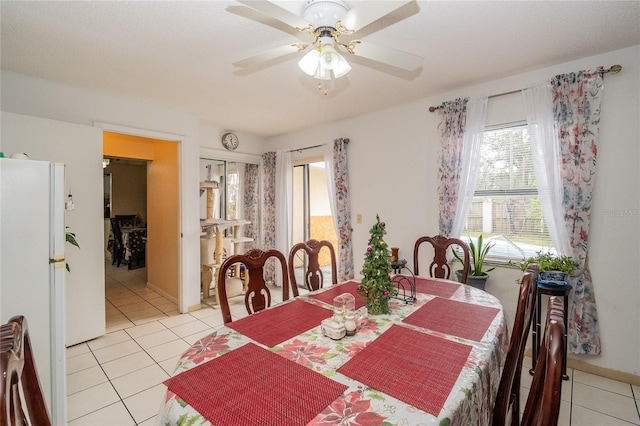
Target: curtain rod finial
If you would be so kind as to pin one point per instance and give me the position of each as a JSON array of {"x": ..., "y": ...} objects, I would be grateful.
[{"x": 615, "y": 69}]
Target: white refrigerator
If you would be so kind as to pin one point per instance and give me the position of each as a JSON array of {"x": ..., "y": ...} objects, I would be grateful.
[{"x": 32, "y": 266}]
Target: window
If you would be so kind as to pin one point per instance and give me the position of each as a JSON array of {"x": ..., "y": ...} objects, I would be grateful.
[{"x": 506, "y": 208}]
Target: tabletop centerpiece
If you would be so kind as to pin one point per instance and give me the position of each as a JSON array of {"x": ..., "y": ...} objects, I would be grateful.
[{"x": 376, "y": 286}]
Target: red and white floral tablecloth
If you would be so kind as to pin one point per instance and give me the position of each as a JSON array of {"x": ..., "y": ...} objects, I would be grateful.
[{"x": 391, "y": 371}]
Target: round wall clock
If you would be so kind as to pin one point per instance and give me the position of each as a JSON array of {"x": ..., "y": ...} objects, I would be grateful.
[{"x": 230, "y": 141}]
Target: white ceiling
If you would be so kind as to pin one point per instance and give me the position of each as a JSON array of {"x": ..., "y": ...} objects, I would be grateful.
[{"x": 180, "y": 53}]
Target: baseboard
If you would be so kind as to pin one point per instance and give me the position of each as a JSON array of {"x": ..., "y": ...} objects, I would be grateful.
[
  {"x": 194, "y": 308},
  {"x": 162, "y": 293},
  {"x": 598, "y": 371}
]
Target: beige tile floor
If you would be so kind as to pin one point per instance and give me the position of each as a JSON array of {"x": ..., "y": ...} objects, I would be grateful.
[{"x": 117, "y": 379}]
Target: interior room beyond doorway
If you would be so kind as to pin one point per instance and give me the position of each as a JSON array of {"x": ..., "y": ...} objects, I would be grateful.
[{"x": 161, "y": 205}]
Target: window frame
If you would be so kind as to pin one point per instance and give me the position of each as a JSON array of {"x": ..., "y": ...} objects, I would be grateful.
[{"x": 468, "y": 235}]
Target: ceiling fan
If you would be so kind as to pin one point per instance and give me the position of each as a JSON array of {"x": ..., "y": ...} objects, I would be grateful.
[{"x": 326, "y": 21}]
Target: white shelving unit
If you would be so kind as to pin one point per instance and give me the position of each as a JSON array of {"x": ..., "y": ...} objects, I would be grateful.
[{"x": 212, "y": 234}]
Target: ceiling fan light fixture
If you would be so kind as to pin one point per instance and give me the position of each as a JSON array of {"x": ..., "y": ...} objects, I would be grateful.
[
  {"x": 341, "y": 67},
  {"x": 324, "y": 63},
  {"x": 309, "y": 62},
  {"x": 331, "y": 62},
  {"x": 328, "y": 56}
]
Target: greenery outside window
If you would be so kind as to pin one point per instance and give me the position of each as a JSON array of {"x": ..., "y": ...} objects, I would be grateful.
[{"x": 506, "y": 207}]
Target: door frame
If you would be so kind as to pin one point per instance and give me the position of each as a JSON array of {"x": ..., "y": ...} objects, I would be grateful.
[{"x": 180, "y": 140}]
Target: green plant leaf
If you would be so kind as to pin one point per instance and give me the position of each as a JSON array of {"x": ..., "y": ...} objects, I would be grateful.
[{"x": 477, "y": 254}]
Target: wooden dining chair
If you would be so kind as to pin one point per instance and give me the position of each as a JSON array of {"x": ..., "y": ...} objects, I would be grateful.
[
  {"x": 137, "y": 245},
  {"x": 19, "y": 378},
  {"x": 126, "y": 220},
  {"x": 543, "y": 403},
  {"x": 439, "y": 267},
  {"x": 117, "y": 248},
  {"x": 257, "y": 296},
  {"x": 507, "y": 407},
  {"x": 313, "y": 275}
]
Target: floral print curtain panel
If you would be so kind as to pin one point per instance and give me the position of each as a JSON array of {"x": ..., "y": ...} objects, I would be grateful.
[
  {"x": 250, "y": 202},
  {"x": 563, "y": 116},
  {"x": 451, "y": 135},
  {"x": 576, "y": 109},
  {"x": 269, "y": 211},
  {"x": 338, "y": 170},
  {"x": 461, "y": 133}
]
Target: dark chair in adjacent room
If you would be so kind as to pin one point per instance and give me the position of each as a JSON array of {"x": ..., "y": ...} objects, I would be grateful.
[
  {"x": 137, "y": 243},
  {"x": 19, "y": 378},
  {"x": 117, "y": 247},
  {"x": 439, "y": 267},
  {"x": 507, "y": 407},
  {"x": 543, "y": 403},
  {"x": 257, "y": 296},
  {"x": 127, "y": 220},
  {"x": 313, "y": 275}
]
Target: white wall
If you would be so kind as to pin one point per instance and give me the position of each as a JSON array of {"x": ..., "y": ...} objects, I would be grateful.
[
  {"x": 80, "y": 149},
  {"x": 41, "y": 98},
  {"x": 393, "y": 173},
  {"x": 392, "y": 164}
]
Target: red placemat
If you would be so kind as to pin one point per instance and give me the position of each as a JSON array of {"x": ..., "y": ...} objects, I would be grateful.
[
  {"x": 435, "y": 287},
  {"x": 336, "y": 290},
  {"x": 275, "y": 325},
  {"x": 253, "y": 386},
  {"x": 455, "y": 318},
  {"x": 417, "y": 368}
]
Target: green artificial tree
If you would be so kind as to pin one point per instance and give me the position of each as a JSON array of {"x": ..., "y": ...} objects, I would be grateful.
[{"x": 376, "y": 287}]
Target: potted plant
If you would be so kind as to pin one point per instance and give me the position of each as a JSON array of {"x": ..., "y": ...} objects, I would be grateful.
[
  {"x": 477, "y": 277},
  {"x": 552, "y": 267},
  {"x": 70, "y": 237}
]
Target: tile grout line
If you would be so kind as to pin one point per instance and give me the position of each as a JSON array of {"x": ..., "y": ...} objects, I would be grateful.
[
  {"x": 635, "y": 400},
  {"x": 571, "y": 399}
]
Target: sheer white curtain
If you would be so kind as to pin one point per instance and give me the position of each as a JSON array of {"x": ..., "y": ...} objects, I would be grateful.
[
  {"x": 331, "y": 183},
  {"x": 283, "y": 206},
  {"x": 472, "y": 141},
  {"x": 545, "y": 148}
]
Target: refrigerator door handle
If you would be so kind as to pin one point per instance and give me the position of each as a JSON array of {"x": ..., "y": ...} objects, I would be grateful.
[{"x": 58, "y": 261}]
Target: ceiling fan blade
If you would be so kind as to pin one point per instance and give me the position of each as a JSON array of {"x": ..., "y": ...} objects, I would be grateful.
[
  {"x": 367, "y": 12},
  {"x": 277, "y": 12},
  {"x": 265, "y": 56},
  {"x": 387, "y": 55}
]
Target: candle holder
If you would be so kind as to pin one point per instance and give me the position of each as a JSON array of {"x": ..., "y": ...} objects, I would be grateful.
[{"x": 343, "y": 321}]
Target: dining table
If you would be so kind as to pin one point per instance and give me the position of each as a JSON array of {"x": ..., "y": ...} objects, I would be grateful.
[{"x": 434, "y": 359}]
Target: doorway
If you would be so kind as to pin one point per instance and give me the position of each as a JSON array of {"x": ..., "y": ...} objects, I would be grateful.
[
  {"x": 158, "y": 164},
  {"x": 125, "y": 195},
  {"x": 312, "y": 218}
]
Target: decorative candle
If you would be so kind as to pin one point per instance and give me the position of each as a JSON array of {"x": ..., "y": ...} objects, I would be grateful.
[{"x": 350, "y": 323}]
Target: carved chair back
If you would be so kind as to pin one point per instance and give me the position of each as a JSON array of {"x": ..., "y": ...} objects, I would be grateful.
[
  {"x": 439, "y": 267},
  {"x": 257, "y": 295},
  {"x": 313, "y": 275}
]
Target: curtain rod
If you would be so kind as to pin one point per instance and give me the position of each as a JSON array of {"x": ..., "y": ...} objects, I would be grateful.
[
  {"x": 307, "y": 147},
  {"x": 615, "y": 69},
  {"x": 346, "y": 140}
]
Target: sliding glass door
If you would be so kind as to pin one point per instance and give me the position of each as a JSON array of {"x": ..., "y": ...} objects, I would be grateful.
[{"x": 311, "y": 208}]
